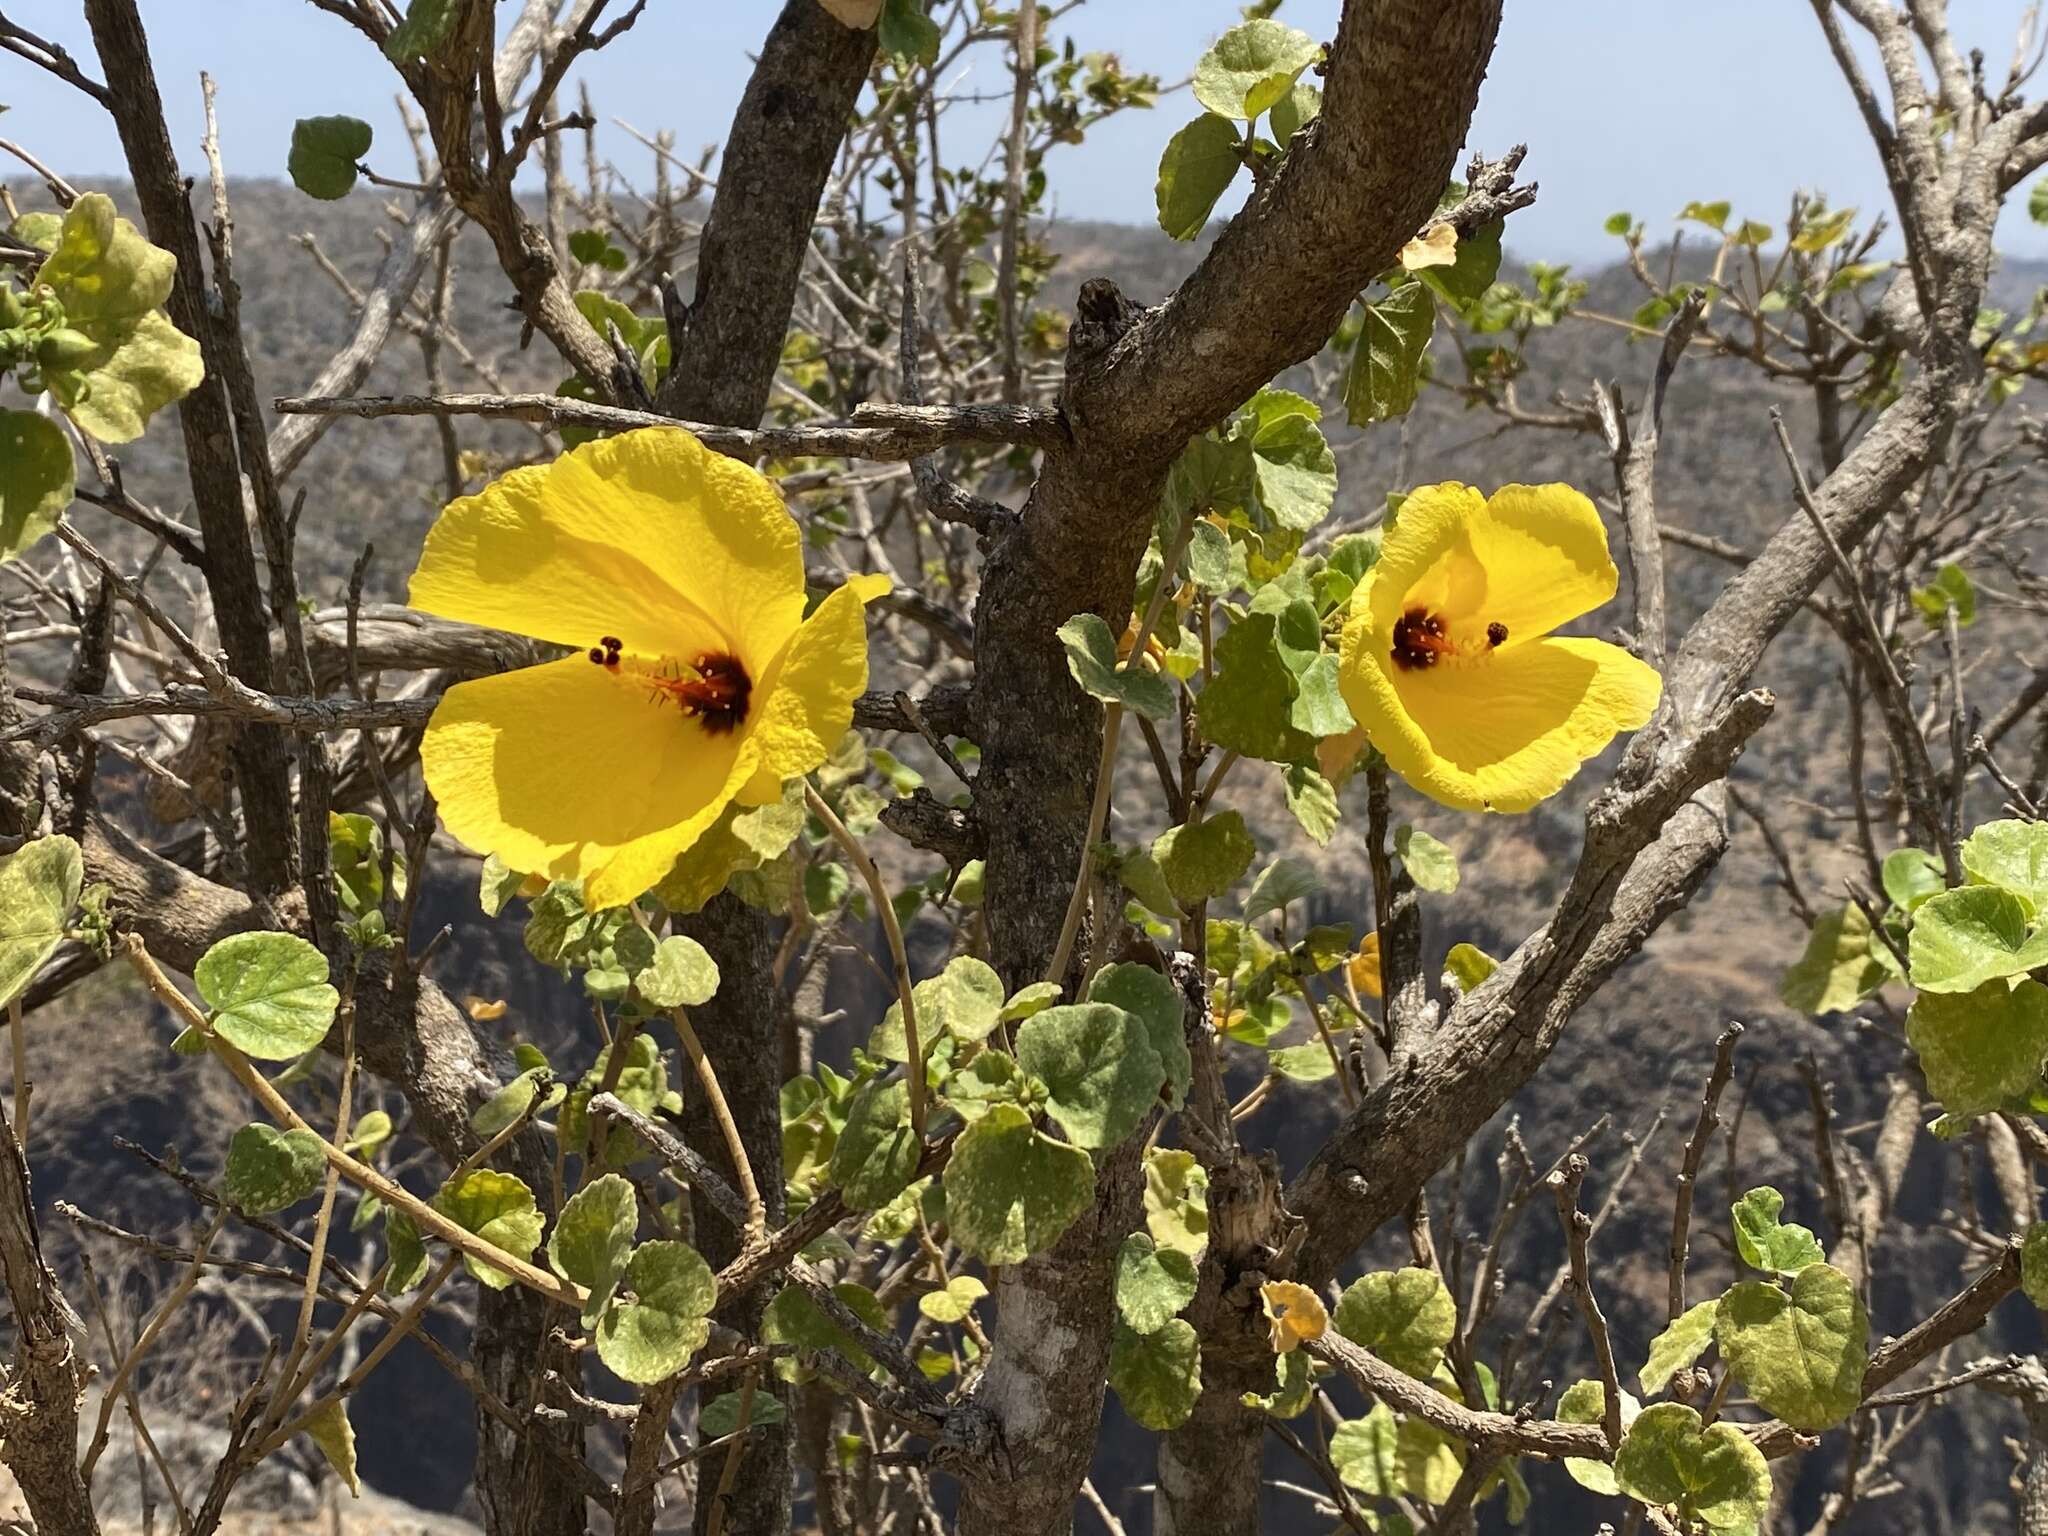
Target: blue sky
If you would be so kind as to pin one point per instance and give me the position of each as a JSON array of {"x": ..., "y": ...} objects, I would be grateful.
[{"x": 1636, "y": 104}]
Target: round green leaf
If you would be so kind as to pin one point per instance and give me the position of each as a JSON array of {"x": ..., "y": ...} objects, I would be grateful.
[
  {"x": 269, "y": 993},
  {"x": 965, "y": 1000},
  {"x": 1158, "y": 1375},
  {"x": 37, "y": 478},
  {"x": 954, "y": 1302},
  {"x": 877, "y": 1153},
  {"x": 1386, "y": 365},
  {"x": 145, "y": 364},
  {"x": 427, "y": 25},
  {"x": 103, "y": 270},
  {"x": 1911, "y": 875},
  {"x": 1365, "y": 1453},
  {"x": 1983, "y": 1051},
  {"x": 592, "y": 1237},
  {"x": 39, "y": 886},
  {"x": 721, "y": 1416},
  {"x": 269, "y": 1169},
  {"x": 1405, "y": 1316},
  {"x": 1099, "y": 1068},
  {"x": 1177, "y": 1200},
  {"x": 1203, "y": 861},
  {"x": 1157, "y": 1004},
  {"x": 1294, "y": 111},
  {"x": 2012, "y": 855},
  {"x": 500, "y": 1209},
  {"x": 1198, "y": 166},
  {"x": 1801, "y": 1353},
  {"x": 1250, "y": 68},
  {"x": 1840, "y": 966},
  {"x": 1712, "y": 1474},
  {"x": 324, "y": 154},
  {"x": 1765, "y": 1242},
  {"x": 1430, "y": 864},
  {"x": 683, "y": 974},
  {"x": 660, "y": 1318},
  {"x": 1678, "y": 1347},
  {"x": 1964, "y": 938},
  {"x": 1248, "y": 706},
  {"x": 2034, "y": 1265},
  {"x": 1585, "y": 1402},
  {"x": 1010, "y": 1191},
  {"x": 1152, "y": 1283},
  {"x": 1091, "y": 658}
]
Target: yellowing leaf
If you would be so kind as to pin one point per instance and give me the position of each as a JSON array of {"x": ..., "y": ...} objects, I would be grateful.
[
  {"x": 859, "y": 14},
  {"x": 330, "y": 1429},
  {"x": 481, "y": 1010},
  {"x": 1436, "y": 246},
  {"x": 1296, "y": 1312}
]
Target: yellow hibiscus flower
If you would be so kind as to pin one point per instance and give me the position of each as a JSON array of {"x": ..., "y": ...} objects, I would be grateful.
[
  {"x": 678, "y": 576},
  {"x": 1448, "y": 658}
]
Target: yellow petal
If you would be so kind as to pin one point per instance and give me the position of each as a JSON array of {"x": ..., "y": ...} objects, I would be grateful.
[
  {"x": 805, "y": 701},
  {"x": 566, "y": 769},
  {"x": 1528, "y": 558},
  {"x": 1436, "y": 246},
  {"x": 1364, "y": 967},
  {"x": 1499, "y": 732},
  {"x": 1297, "y": 1314},
  {"x": 647, "y": 536}
]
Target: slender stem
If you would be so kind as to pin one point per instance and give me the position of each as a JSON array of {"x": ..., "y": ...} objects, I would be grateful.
[
  {"x": 390, "y": 1191},
  {"x": 18, "y": 1038},
  {"x": 1330, "y": 1044},
  {"x": 1098, "y": 816},
  {"x": 721, "y": 1111},
  {"x": 324, "y": 1223},
  {"x": 893, "y": 930}
]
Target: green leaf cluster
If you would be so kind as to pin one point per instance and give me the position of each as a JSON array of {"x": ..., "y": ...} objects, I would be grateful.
[{"x": 1253, "y": 70}]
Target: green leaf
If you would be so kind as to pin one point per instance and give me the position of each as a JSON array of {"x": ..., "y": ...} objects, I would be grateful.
[
  {"x": 1964, "y": 938},
  {"x": 510, "y": 1102},
  {"x": 1091, "y": 658},
  {"x": 1585, "y": 1402},
  {"x": 877, "y": 1153},
  {"x": 1281, "y": 882},
  {"x": 1430, "y": 864},
  {"x": 2037, "y": 202},
  {"x": 1802, "y": 1354},
  {"x": 329, "y": 1429},
  {"x": 1100, "y": 1071},
  {"x": 593, "y": 247},
  {"x": 1950, "y": 591},
  {"x": 660, "y": 1316},
  {"x": 1468, "y": 965},
  {"x": 794, "y": 1318},
  {"x": 1026, "y": 1001},
  {"x": 1766, "y": 1243},
  {"x": 1911, "y": 875},
  {"x": 1982, "y": 1051},
  {"x": 1312, "y": 799},
  {"x": 965, "y": 1001},
  {"x": 907, "y": 34},
  {"x": 1158, "y": 1375},
  {"x": 1203, "y": 861},
  {"x": 2034, "y": 1264},
  {"x": 1196, "y": 169},
  {"x": 1838, "y": 969},
  {"x": 1713, "y": 215},
  {"x": 1473, "y": 273},
  {"x": 953, "y": 1303},
  {"x": 1712, "y": 1473},
  {"x": 37, "y": 479},
  {"x": 1678, "y": 1347},
  {"x": 1157, "y": 1004},
  {"x": 683, "y": 974},
  {"x": 1250, "y": 68},
  {"x": 1308, "y": 1063},
  {"x": 592, "y": 1238},
  {"x": 1295, "y": 111},
  {"x": 103, "y": 270},
  {"x": 426, "y": 27},
  {"x": 1386, "y": 365},
  {"x": 2012, "y": 855},
  {"x": 1366, "y": 1453},
  {"x": 407, "y": 1253},
  {"x": 146, "y": 364},
  {"x": 739, "y": 841},
  {"x": 721, "y": 1416},
  {"x": 1139, "y": 873},
  {"x": 1294, "y": 1388},
  {"x": 1427, "y": 1462},
  {"x": 269, "y": 1170},
  {"x": 1294, "y": 471},
  {"x": 325, "y": 153},
  {"x": 498, "y": 1208},
  {"x": 1405, "y": 1316},
  {"x": 39, "y": 886},
  {"x": 1152, "y": 1283},
  {"x": 1820, "y": 230},
  {"x": 269, "y": 993},
  {"x": 1318, "y": 710},
  {"x": 1010, "y": 1191}
]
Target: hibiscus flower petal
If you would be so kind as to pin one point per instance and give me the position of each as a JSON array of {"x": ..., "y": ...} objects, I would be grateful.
[
  {"x": 1426, "y": 559},
  {"x": 647, "y": 537},
  {"x": 805, "y": 702},
  {"x": 568, "y": 771},
  {"x": 1544, "y": 552},
  {"x": 1500, "y": 733}
]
